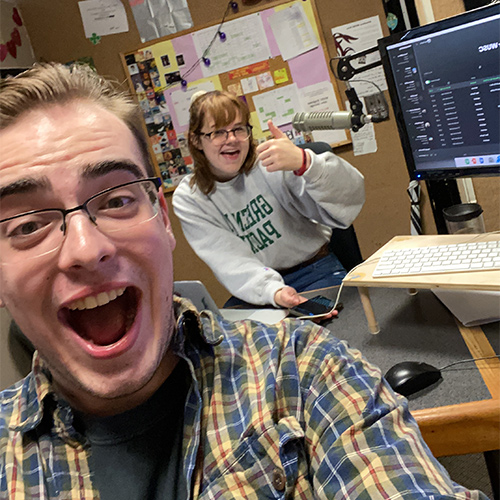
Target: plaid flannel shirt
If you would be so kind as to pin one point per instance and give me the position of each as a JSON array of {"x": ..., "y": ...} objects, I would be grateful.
[{"x": 282, "y": 411}]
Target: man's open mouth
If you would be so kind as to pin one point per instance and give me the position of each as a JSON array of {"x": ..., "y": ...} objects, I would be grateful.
[{"x": 105, "y": 318}]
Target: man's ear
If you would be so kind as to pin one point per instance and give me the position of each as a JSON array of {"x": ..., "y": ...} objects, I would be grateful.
[
  {"x": 165, "y": 218},
  {"x": 2, "y": 303}
]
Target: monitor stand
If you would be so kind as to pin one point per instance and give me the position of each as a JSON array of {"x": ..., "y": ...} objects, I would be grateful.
[{"x": 442, "y": 194}]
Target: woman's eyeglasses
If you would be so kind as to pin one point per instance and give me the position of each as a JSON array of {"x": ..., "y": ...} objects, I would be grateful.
[{"x": 241, "y": 133}]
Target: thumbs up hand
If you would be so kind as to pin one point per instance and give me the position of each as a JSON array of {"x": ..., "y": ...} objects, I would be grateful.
[
  {"x": 280, "y": 153},
  {"x": 277, "y": 133}
]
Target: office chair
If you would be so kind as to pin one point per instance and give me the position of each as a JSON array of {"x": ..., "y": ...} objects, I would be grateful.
[{"x": 344, "y": 242}]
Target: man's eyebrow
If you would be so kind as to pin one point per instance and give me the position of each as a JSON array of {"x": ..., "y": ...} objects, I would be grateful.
[
  {"x": 24, "y": 186},
  {"x": 32, "y": 184},
  {"x": 105, "y": 167}
]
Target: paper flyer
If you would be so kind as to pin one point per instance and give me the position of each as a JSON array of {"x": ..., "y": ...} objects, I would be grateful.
[
  {"x": 279, "y": 105},
  {"x": 321, "y": 97},
  {"x": 103, "y": 17},
  {"x": 293, "y": 31},
  {"x": 356, "y": 37},
  {"x": 245, "y": 44}
]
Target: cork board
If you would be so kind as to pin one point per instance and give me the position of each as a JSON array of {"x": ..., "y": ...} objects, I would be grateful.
[{"x": 254, "y": 61}]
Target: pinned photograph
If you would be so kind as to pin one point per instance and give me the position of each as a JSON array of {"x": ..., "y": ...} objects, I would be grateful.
[
  {"x": 133, "y": 69},
  {"x": 265, "y": 80},
  {"x": 174, "y": 77},
  {"x": 235, "y": 88},
  {"x": 180, "y": 60}
]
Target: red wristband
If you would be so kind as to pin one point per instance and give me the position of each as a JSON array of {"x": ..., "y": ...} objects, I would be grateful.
[{"x": 303, "y": 168}]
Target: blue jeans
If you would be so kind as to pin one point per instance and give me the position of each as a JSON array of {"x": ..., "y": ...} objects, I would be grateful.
[{"x": 323, "y": 273}]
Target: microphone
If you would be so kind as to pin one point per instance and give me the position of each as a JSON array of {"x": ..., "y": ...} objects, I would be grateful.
[{"x": 329, "y": 120}]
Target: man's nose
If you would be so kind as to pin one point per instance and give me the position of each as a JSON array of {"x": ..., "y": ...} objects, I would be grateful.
[{"x": 84, "y": 246}]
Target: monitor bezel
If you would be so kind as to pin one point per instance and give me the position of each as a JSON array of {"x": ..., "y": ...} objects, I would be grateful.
[{"x": 383, "y": 44}]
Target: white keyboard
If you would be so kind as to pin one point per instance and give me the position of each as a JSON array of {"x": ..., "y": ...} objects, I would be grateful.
[{"x": 475, "y": 256}]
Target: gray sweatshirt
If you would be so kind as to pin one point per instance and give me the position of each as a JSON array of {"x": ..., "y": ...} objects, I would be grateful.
[{"x": 257, "y": 223}]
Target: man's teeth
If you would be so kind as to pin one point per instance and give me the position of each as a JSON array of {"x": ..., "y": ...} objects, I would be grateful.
[{"x": 96, "y": 300}]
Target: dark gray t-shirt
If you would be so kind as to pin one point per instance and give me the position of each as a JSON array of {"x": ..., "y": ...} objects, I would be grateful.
[{"x": 138, "y": 454}]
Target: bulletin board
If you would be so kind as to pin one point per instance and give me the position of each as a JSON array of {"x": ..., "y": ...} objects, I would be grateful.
[{"x": 274, "y": 59}]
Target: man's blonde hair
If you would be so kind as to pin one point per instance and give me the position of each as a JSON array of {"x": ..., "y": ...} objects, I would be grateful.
[{"x": 45, "y": 84}]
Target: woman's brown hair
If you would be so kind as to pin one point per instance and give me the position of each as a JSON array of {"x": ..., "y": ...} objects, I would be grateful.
[{"x": 223, "y": 107}]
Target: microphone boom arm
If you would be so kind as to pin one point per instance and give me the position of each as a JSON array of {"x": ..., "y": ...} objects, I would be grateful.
[
  {"x": 336, "y": 120},
  {"x": 346, "y": 71}
]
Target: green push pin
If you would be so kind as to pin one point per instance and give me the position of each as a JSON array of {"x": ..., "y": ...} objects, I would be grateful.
[{"x": 95, "y": 39}]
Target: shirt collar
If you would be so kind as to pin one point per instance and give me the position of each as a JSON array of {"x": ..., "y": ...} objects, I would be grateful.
[
  {"x": 27, "y": 397},
  {"x": 190, "y": 326}
]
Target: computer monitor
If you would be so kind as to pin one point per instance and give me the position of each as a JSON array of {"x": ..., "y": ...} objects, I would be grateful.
[{"x": 444, "y": 84}]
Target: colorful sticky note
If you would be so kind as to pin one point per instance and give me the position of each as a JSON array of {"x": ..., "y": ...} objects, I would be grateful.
[{"x": 280, "y": 76}]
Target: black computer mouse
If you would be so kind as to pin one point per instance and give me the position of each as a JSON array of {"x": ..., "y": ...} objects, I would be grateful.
[{"x": 409, "y": 377}]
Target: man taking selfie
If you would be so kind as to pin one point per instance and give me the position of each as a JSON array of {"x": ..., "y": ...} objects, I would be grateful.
[{"x": 134, "y": 394}]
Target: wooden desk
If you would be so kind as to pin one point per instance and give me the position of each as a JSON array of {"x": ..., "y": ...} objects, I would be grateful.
[
  {"x": 448, "y": 429},
  {"x": 468, "y": 427},
  {"x": 455, "y": 429},
  {"x": 361, "y": 276}
]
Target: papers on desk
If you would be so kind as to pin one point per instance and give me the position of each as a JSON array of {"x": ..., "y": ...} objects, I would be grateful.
[
  {"x": 197, "y": 293},
  {"x": 268, "y": 316},
  {"x": 471, "y": 307}
]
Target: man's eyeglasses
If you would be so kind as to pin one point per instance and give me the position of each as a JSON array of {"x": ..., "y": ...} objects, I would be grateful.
[
  {"x": 39, "y": 232},
  {"x": 220, "y": 136}
]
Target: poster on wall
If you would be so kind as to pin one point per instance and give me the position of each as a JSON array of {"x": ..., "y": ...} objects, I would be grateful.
[
  {"x": 159, "y": 18},
  {"x": 169, "y": 146},
  {"x": 355, "y": 37},
  {"x": 247, "y": 62},
  {"x": 15, "y": 46},
  {"x": 103, "y": 17}
]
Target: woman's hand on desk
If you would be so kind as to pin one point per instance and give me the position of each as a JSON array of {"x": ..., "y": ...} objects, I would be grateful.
[{"x": 288, "y": 297}]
